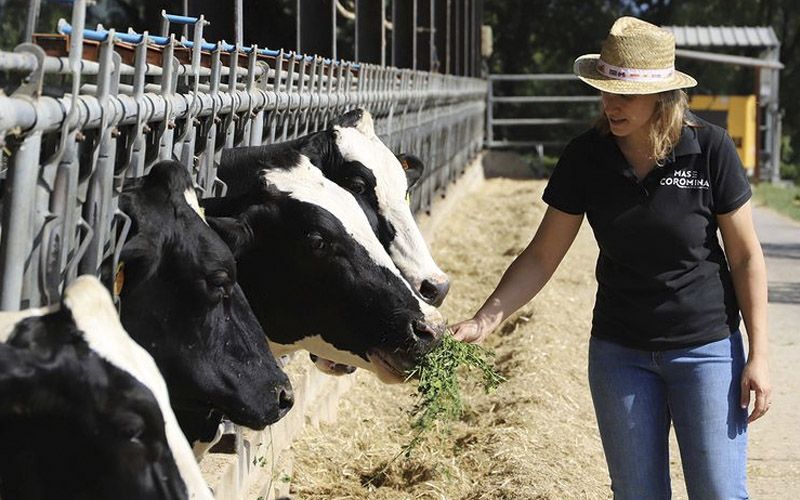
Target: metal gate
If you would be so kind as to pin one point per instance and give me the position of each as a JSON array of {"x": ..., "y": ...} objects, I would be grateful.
[{"x": 134, "y": 98}]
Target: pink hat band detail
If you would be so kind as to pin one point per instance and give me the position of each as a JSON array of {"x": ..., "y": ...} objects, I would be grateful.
[{"x": 634, "y": 74}]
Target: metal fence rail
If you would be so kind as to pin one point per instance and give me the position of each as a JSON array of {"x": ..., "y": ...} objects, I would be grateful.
[
  {"x": 133, "y": 99},
  {"x": 535, "y": 140}
]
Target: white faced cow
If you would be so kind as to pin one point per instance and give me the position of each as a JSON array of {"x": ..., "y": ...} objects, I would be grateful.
[
  {"x": 84, "y": 411},
  {"x": 180, "y": 300},
  {"x": 352, "y": 155},
  {"x": 316, "y": 275}
]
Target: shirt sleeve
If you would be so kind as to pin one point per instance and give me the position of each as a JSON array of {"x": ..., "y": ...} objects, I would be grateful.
[
  {"x": 729, "y": 186},
  {"x": 565, "y": 190}
]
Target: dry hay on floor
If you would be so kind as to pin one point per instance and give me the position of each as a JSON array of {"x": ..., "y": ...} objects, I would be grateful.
[{"x": 534, "y": 438}]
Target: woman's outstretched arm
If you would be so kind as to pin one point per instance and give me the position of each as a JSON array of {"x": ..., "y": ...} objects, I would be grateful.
[{"x": 523, "y": 279}]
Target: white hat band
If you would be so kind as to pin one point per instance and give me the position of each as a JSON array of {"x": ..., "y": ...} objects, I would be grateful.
[{"x": 634, "y": 74}]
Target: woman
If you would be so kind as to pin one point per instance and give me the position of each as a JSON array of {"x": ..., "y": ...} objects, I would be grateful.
[{"x": 656, "y": 184}]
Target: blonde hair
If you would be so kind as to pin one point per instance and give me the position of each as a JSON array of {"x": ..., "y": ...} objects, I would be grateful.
[{"x": 669, "y": 117}]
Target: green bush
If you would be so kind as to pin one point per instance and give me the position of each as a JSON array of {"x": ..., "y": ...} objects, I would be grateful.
[{"x": 781, "y": 198}]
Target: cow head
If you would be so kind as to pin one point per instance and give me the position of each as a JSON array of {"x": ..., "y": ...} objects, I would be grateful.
[
  {"x": 180, "y": 300},
  {"x": 84, "y": 412},
  {"x": 380, "y": 180},
  {"x": 316, "y": 275},
  {"x": 352, "y": 155}
]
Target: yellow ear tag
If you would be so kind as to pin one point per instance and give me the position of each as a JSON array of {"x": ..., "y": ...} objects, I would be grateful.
[
  {"x": 119, "y": 279},
  {"x": 408, "y": 198}
]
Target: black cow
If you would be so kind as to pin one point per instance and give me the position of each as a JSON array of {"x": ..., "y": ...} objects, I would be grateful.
[
  {"x": 351, "y": 154},
  {"x": 180, "y": 300},
  {"x": 315, "y": 273},
  {"x": 84, "y": 412}
]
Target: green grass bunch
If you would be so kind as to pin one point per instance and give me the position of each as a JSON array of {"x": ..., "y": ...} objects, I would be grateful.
[{"x": 439, "y": 391}]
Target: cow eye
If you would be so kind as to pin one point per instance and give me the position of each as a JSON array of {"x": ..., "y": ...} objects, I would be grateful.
[
  {"x": 219, "y": 285},
  {"x": 356, "y": 185},
  {"x": 316, "y": 242},
  {"x": 219, "y": 279}
]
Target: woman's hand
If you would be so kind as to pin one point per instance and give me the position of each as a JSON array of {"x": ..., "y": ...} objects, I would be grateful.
[
  {"x": 470, "y": 331},
  {"x": 755, "y": 378}
]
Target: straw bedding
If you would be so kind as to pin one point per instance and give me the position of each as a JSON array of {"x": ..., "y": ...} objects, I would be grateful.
[{"x": 534, "y": 438}]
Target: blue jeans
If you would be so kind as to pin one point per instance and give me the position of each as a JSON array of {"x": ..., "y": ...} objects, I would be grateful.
[{"x": 637, "y": 394}]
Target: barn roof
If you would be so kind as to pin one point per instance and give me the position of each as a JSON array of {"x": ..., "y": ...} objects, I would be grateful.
[{"x": 724, "y": 36}]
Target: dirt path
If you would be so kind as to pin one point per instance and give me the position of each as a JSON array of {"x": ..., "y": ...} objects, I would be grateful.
[
  {"x": 535, "y": 438},
  {"x": 774, "y": 441}
]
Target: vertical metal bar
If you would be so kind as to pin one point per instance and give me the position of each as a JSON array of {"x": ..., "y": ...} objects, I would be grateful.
[
  {"x": 137, "y": 147},
  {"x": 289, "y": 93},
  {"x": 186, "y": 143},
  {"x": 185, "y": 12},
  {"x": 229, "y": 122},
  {"x": 238, "y": 20},
  {"x": 276, "y": 86},
  {"x": 166, "y": 129},
  {"x": 257, "y": 129},
  {"x": 17, "y": 236},
  {"x": 334, "y": 53},
  {"x": 248, "y": 116},
  {"x": 33, "y": 17},
  {"x": 414, "y": 35},
  {"x": 164, "y": 23},
  {"x": 490, "y": 113},
  {"x": 457, "y": 34},
  {"x": 97, "y": 209},
  {"x": 208, "y": 168},
  {"x": 465, "y": 36}
]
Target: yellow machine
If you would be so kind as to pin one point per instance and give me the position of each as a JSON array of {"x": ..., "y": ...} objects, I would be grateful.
[{"x": 737, "y": 113}]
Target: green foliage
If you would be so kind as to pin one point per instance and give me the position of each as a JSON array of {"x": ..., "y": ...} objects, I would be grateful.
[
  {"x": 439, "y": 391},
  {"x": 781, "y": 198},
  {"x": 790, "y": 164}
]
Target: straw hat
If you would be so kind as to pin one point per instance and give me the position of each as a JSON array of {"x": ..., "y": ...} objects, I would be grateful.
[{"x": 637, "y": 58}]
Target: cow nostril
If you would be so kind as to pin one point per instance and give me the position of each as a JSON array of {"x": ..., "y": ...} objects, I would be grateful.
[
  {"x": 423, "y": 331},
  {"x": 285, "y": 399},
  {"x": 434, "y": 292}
]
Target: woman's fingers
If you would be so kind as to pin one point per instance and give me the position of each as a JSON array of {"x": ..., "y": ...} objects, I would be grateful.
[
  {"x": 756, "y": 379},
  {"x": 466, "y": 331}
]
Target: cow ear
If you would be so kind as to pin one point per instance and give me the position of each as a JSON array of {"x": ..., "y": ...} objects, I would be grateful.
[
  {"x": 19, "y": 377},
  {"x": 358, "y": 118},
  {"x": 413, "y": 167},
  {"x": 349, "y": 119},
  {"x": 141, "y": 257},
  {"x": 233, "y": 232}
]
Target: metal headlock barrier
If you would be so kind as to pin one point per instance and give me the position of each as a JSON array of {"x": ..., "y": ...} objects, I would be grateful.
[{"x": 132, "y": 99}]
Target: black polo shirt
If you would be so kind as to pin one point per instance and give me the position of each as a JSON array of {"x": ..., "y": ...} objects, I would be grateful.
[{"x": 663, "y": 280}]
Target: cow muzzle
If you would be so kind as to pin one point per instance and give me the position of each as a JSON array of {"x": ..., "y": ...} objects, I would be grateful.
[{"x": 433, "y": 290}]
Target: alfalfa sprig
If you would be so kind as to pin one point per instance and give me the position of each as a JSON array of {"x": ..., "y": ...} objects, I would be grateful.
[{"x": 439, "y": 390}]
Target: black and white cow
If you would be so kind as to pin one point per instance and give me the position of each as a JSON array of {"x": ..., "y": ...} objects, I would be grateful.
[
  {"x": 351, "y": 154},
  {"x": 84, "y": 411},
  {"x": 180, "y": 300},
  {"x": 315, "y": 273}
]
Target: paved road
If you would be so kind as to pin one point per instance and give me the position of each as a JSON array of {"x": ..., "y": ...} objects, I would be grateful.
[{"x": 775, "y": 439}]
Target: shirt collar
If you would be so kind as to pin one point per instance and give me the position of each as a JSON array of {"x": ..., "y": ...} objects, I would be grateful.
[{"x": 687, "y": 144}]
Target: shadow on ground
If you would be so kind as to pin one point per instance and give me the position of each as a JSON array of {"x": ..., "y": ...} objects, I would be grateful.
[
  {"x": 781, "y": 250},
  {"x": 782, "y": 292}
]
